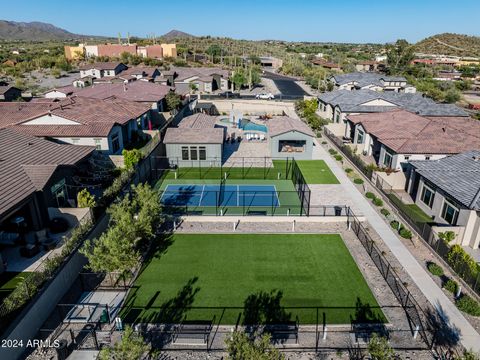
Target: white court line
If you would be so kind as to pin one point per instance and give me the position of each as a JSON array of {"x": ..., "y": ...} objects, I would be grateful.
[
  {"x": 163, "y": 194},
  {"x": 201, "y": 196}
]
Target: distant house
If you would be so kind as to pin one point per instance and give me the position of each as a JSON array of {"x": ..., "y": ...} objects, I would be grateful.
[
  {"x": 60, "y": 92},
  {"x": 169, "y": 50},
  {"x": 205, "y": 79},
  {"x": 369, "y": 66},
  {"x": 9, "y": 93},
  {"x": 372, "y": 81},
  {"x": 116, "y": 50},
  {"x": 74, "y": 52},
  {"x": 326, "y": 64},
  {"x": 108, "y": 125},
  {"x": 270, "y": 62},
  {"x": 102, "y": 69},
  {"x": 140, "y": 73},
  {"x": 34, "y": 176},
  {"x": 290, "y": 138},
  {"x": 445, "y": 75},
  {"x": 197, "y": 141},
  {"x": 398, "y": 136},
  {"x": 336, "y": 105},
  {"x": 449, "y": 190},
  {"x": 83, "y": 82}
]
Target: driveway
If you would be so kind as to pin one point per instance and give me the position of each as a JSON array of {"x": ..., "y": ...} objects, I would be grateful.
[{"x": 286, "y": 85}]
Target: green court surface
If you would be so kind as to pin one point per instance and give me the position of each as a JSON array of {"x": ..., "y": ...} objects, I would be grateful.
[
  {"x": 251, "y": 278},
  {"x": 279, "y": 170},
  {"x": 287, "y": 196},
  {"x": 316, "y": 172}
]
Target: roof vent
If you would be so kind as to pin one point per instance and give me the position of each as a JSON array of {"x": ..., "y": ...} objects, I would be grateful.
[
  {"x": 476, "y": 158},
  {"x": 444, "y": 129}
]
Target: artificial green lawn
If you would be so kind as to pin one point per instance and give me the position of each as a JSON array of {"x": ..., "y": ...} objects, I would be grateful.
[
  {"x": 215, "y": 270},
  {"x": 412, "y": 211},
  {"x": 316, "y": 172},
  {"x": 9, "y": 281}
]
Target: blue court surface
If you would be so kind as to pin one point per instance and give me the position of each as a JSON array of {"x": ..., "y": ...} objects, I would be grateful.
[{"x": 216, "y": 195}]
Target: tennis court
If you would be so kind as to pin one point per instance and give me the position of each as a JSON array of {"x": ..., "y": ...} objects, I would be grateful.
[{"x": 212, "y": 195}]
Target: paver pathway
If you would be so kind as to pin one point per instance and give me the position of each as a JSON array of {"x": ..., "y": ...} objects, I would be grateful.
[{"x": 469, "y": 338}]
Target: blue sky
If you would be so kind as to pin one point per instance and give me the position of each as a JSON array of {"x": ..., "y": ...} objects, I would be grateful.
[{"x": 295, "y": 20}]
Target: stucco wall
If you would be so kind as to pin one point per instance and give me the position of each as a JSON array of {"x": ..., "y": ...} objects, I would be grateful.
[
  {"x": 292, "y": 135},
  {"x": 213, "y": 151}
]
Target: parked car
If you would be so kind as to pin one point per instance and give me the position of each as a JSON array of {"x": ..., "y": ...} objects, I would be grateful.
[
  {"x": 230, "y": 94},
  {"x": 265, "y": 96}
]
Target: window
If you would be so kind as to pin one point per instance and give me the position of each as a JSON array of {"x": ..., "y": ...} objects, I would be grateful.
[
  {"x": 75, "y": 141},
  {"x": 202, "y": 151},
  {"x": 407, "y": 157},
  {"x": 360, "y": 137},
  {"x": 387, "y": 160},
  {"x": 185, "y": 153},
  {"x": 98, "y": 144},
  {"x": 449, "y": 213},
  {"x": 193, "y": 153},
  {"x": 427, "y": 157},
  {"x": 115, "y": 143},
  {"x": 427, "y": 196},
  {"x": 337, "y": 118}
]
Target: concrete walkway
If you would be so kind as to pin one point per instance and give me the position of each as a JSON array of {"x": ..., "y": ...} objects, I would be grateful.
[{"x": 469, "y": 338}]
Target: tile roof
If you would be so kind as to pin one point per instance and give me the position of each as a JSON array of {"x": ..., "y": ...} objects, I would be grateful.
[
  {"x": 184, "y": 73},
  {"x": 282, "y": 124},
  {"x": 28, "y": 162},
  {"x": 110, "y": 65},
  {"x": 354, "y": 102},
  {"x": 195, "y": 129},
  {"x": 139, "y": 91},
  {"x": 96, "y": 117},
  {"x": 457, "y": 175},
  {"x": 365, "y": 79},
  {"x": 407, "y": 133}
]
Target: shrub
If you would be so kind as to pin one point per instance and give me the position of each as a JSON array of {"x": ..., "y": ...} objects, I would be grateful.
[
  {"x": 332, "y": 151},
  {"x": 377, "y": 202},
  {"x": 348, "y": 170},
  {"x": 370, "y": 195},
  {"x": 394, "y": 224},
  {"x": 358, "y": 181},
  {"x": 451, "y": 285},
  {"x": 324, "y": 142},
  {"x": 85, "y": 199},
  {"x": 468, "y": 305},
  {"x": 435, "y": 269},
  {"x": 338, "y": 157},
  {"x": 447, "y": 236},
  {"x": 384, "y": 212},
  {"x": 131, "y": 158},
  {"x": 404, "y": 233}
]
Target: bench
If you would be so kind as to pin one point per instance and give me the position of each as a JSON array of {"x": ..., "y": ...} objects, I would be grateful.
[
  {"x": 284, "y": 332},
  {"x": 193, "y": 332}
]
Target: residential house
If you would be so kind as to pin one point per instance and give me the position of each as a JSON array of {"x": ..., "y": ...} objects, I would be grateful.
[
  {"x": 108, "y": 124},
  {"x": 137, "y": 91},
  {"x": 116, "y": 50},
  {"x": 337, "y": 105},
  {"x": 326, "y": 64},
  {"x": 290, "y": 138},
  {"x": 144, "y": 73},
  {"x": 270, "y": 62},
  {"x": 399, "y": 136},
  {"x": 204, "y": 78},
  {"x": 372, "y": 81},
  {"x": 34, "y": 176},
  {"x": 169, "y": 50},
  {"x": 197, "y": 141},
  {"x": 9, "y": 93},
  {"x": 446, "y": 75},
  {"x": 102, "y": 69},
  {"x": 448, "y": 189},
  {"x": 369, "y": 66},
  {"x": 74, "y": 52},
  {"x": 60, "y": 92}
]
